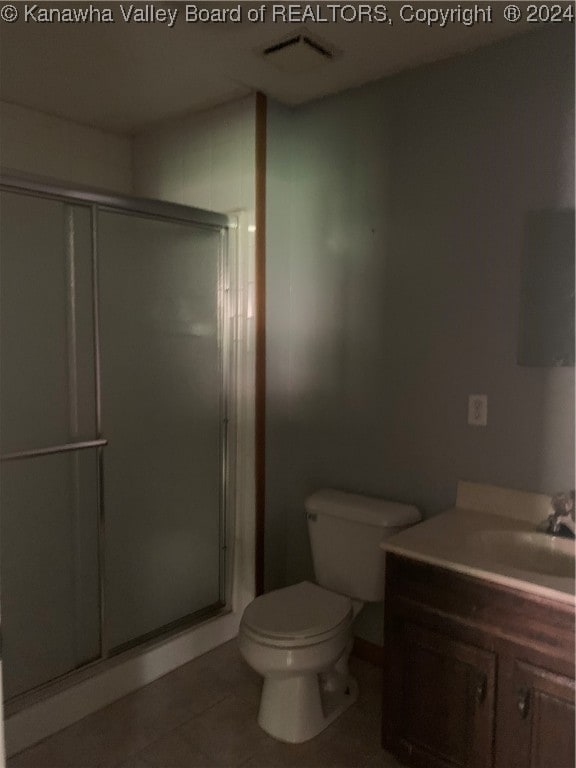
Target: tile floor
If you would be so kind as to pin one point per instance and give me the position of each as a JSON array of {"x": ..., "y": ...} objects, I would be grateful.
[{"x": 203, "y": 715}]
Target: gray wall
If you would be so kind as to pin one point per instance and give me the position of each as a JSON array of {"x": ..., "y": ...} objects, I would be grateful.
[{"x": 395, "y": 232}]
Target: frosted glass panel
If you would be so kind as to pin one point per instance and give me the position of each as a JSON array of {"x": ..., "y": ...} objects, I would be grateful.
[
  {"x": 49, "y": 568},
  {"x": 49, "y": 518},
  {"x": 161, "y": 412},
  {"x": 47, "y": 372}
]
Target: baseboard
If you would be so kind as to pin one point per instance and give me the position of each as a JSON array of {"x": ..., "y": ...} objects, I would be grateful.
[{"x": 367, "y": 651}]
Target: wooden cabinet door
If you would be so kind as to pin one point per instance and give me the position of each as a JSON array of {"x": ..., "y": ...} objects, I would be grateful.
[
  {"x": 443, "y": 712},
  {"x": 535, "y": 718}
]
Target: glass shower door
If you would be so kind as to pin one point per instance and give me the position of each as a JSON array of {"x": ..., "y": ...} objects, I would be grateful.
[
  {"x": 49, "y": 555},
  {"x": 111, "y": 326},
  {"x": 160, "y": 297}
]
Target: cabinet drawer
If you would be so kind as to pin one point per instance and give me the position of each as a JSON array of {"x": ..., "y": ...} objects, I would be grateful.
[{"x": 495, "y": 611}]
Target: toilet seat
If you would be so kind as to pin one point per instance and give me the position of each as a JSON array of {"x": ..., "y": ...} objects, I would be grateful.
[{"x": 303, "y": 614}]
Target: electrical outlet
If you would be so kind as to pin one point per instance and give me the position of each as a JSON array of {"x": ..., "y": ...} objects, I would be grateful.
[{"x": 478, "y": 410}]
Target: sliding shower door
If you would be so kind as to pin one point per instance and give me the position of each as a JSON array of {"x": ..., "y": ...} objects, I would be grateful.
[
  {"x": 161, "y": 373},
  {"x": 49, "y": 500},
  {"x": 112, "y": 426}
]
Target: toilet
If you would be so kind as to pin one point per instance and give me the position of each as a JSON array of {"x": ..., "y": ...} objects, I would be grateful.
[{"x": 299, "y": 638}]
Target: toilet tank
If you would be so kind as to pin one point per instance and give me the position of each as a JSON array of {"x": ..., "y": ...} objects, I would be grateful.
[{"x": 345, "y": 533}]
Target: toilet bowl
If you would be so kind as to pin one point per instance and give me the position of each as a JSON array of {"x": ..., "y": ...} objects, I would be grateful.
[{"x": 299, "y": 638}]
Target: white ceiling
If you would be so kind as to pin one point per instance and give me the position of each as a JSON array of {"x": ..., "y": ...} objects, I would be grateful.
[{"x": 125, "y": 76}]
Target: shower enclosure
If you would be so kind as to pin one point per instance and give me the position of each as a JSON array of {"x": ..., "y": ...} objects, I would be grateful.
[{"x": 114, "y": 380}]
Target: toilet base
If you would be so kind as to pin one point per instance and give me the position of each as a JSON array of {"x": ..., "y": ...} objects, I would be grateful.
[{"x": 297, "y": 708}]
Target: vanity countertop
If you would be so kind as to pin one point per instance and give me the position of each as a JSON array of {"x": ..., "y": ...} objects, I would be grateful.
[{"x": 460, "y": 539}]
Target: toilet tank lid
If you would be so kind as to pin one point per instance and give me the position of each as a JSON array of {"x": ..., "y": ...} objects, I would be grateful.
[{"x": 362, "y": 509}]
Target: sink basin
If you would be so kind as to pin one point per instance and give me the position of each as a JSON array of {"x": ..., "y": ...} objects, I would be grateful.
[{"x": 528, "y": 551}]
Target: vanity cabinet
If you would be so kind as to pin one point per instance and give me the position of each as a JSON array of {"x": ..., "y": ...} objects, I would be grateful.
[{"x": 476, "y": 675}]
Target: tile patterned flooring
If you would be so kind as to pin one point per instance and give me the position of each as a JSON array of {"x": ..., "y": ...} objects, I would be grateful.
[{"x": 203, "y": 715}]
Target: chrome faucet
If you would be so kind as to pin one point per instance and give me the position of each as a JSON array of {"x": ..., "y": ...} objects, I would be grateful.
[{"x": 560, "y": 522}]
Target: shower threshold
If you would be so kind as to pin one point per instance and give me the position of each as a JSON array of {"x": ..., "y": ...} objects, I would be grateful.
[{"x": 116, "y": 656}]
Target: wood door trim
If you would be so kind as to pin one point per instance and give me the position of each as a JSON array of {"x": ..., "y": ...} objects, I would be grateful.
[{"x": 260, "y": 332}]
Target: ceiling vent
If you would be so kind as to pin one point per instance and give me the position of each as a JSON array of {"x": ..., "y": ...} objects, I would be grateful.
[{"x": 299, "y": 53}]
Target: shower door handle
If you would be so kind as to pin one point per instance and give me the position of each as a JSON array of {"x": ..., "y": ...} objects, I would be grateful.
[{"x": 34, "y": 452}]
